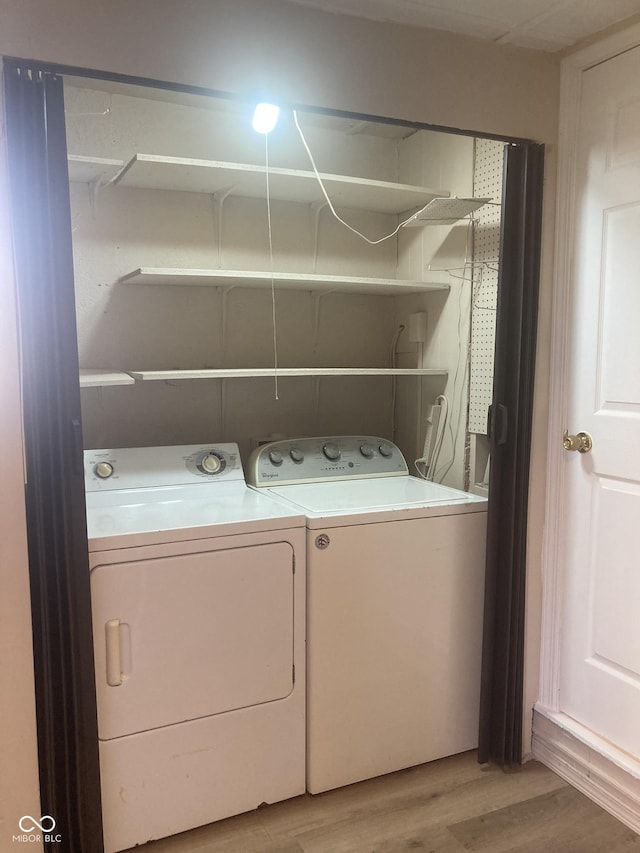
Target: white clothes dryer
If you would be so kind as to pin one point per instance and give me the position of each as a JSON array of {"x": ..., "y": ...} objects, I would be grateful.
[
  {"x": 198, "y": 601},
  {"x": 395, "y": 600}
]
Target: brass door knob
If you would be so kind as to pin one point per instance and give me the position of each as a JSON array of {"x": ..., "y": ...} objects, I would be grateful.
[{"x": 582, "y": 442}]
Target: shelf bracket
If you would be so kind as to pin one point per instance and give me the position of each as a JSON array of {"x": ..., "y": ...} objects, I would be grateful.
[
  {"x": 316, "y": 208},
  {"x": 316, "y": 397},
  {"x": 218, "y": 199},
  {"x": 317, "y": 299},
  {"x": 94, "y": 188},
  {"x": 223, "y": 406},
  {"x": 224, "y": 293}
]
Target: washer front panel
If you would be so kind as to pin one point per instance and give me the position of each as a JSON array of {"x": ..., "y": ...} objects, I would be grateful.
[{"x": 394, "y": 645}]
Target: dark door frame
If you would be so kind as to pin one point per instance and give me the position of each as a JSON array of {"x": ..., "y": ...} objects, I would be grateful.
[
  {"x": 510, "y": 422},
  {"x": 66, "y": 711}
]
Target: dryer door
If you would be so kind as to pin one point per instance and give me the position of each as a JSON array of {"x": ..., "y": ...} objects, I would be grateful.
[{"x": 182, "y": 637}]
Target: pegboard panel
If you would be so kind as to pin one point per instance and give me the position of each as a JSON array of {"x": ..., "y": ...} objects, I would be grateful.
[{"x": 487, "y": 183}]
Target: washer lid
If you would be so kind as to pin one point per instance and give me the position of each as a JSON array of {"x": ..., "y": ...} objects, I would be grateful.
[{"x": 376, "y": 494}]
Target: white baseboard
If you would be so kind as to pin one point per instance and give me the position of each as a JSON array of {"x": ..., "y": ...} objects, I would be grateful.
[{"x": 605, "y": 774}]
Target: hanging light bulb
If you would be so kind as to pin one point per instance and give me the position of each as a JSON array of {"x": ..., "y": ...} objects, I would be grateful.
[{"x": 265, "y": 117}]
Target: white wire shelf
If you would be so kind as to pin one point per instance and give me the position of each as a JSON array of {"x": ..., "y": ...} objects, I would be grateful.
[
  {"x": 293, "y": 281},
  {"x": 151, "y": 171},
  {"x": 445, "y": 211}
]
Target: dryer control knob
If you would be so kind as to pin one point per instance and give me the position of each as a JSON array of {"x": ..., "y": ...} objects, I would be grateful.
[
  {"x": 366, "y": 450},
  {"x": 386, "y": 450},
  {"x": 331, "y": 451},
  {"x": 276, "y": 457},
  {"x": 210, "y": 464},
  {"x": 103, "y": 470},
  {"x": 297, "y": 455}
]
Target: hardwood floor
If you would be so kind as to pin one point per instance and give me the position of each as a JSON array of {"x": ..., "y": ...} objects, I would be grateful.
[{"x": 448, "y": 806}]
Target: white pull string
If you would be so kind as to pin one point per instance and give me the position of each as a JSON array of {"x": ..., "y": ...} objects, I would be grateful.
[
  {"x": 330, "y": 203},
  {"x": 273, "y": 286}
]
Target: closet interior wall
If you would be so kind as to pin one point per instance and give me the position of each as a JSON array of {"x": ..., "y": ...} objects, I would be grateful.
[
  {"x": 437, "y": 253},
  {"x": 126, "y": 326},
  {"x": 487, "y": 183}
]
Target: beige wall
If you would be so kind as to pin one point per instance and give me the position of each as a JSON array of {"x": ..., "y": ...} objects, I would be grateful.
[{"x": 301, "y": 56}]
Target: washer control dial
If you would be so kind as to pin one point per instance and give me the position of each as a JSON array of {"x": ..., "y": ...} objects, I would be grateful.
[
  {"x": 275, "y": 457},
  {"x": 386, "y": 450},
  {"x": 297, "y": 455},
  {"x": 367, "y": 450},
  {"x": 331, "y": 451},
  {"x": 210, "y": 463},
  {"x": 103, "y": 470}
]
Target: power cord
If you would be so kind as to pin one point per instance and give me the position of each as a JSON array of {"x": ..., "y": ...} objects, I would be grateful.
[{"x": 330, "y": 203}]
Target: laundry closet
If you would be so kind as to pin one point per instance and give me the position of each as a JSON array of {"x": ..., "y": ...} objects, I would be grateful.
[
  {"x": 191, "y": 289},
  {"x": 274, "y": 332}
]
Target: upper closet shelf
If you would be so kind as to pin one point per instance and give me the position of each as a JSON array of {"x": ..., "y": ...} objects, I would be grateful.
[
  {"x": 91, "y": 378},
  {"x": 150, "y": 171},
  {"x": 293, "y": 281},
  {"x": 257, "y": 372},
  {"x": 89, "y": 169}
]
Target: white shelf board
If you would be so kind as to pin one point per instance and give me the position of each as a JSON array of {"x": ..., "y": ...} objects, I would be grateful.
[
  {"x": 89, "y": 169},
  {"x": 257, "y": 372},
  {"x": 92, "y": 378},
  {"x": 293, "y": 281},
  {"x": 151, "y": 171}
]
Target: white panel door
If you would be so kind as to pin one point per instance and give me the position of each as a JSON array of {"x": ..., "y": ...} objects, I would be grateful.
[
  {"x": 600, "y": 678},
  {"x": 182, "y": 637}
]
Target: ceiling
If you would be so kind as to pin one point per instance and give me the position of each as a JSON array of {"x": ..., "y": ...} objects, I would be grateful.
[{"x": 549, "y": 25}]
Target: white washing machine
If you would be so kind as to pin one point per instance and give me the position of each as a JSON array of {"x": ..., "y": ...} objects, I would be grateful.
[
  {"x": 395, "y": 599},
  {"x": 198, "y": 600}
]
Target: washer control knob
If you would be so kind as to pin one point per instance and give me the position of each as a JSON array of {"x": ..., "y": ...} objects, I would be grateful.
[
  {"x": 276, "y": 457},
  {"x": 331, "y": 451},
  {"x": 386, "y": 450},
  {"x": 296, "y": 454},
  {"x": 367, "y": 451},
  {"x": 210, "y": 463},
  {"x": 103, "y": 470}
]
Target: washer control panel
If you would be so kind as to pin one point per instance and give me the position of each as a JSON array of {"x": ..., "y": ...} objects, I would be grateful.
[
  {"x": 141, "y": 467},
  {"x": 313, "y": 460}
]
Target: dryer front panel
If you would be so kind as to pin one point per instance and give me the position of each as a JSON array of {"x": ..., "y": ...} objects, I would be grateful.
[{"x": 183, "y": 637}]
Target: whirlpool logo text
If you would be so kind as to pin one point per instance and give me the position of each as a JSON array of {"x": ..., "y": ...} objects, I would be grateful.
[{"x": 37, "y": 829}]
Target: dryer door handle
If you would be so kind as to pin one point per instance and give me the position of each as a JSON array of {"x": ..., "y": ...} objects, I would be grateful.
[{"x": 113, "y": 655}]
